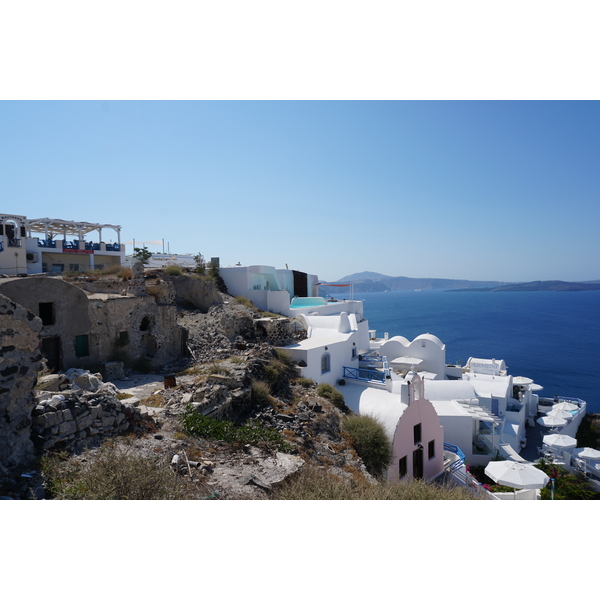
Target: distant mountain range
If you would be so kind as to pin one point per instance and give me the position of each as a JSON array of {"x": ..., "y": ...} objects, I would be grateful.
[
  {"x": 539, "y": 286},
  {"x": 369, "y": 281}
]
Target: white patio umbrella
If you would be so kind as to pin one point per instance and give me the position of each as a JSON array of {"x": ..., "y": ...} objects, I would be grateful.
[
  {"x": 516, "y": 475},
  {"x": 562, "y": 414},
  {"x": 558, "y": 440},
  {"x": 590, "y": 453},
  {"x": 552, "y": 421},
  {"x": 565, "y": 406}
]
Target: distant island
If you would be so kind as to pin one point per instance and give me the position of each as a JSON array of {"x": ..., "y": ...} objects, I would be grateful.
[
  {"x": 537, "y": 286},
  {"x": 370, "y": 281}
]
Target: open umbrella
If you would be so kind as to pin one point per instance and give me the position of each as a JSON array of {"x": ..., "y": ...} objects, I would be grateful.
[
  {"x": 516, "y": 475},
  {"x": 558, "y": 440},
  {"x": 590, "y": 453},
  {"x": 565, "y": 406},
  {"x": 561, "y": 414},
  {"x": 552, "y": 421}
]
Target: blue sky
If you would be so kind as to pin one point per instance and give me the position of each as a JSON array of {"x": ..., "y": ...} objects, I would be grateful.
[{"x": 504, "y": 190}]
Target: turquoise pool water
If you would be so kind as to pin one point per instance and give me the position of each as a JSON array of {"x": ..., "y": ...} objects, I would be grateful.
[{"x": 307, "y": 302}]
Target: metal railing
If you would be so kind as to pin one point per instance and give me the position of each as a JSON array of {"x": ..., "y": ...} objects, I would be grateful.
[
  {"x": 455, "y": 450},
  {"x": 46, "y": 243},
  {"x": 14, "y": 242},
  {"x": 364, "y": 374},
  {"x": 371, "y": 359}
]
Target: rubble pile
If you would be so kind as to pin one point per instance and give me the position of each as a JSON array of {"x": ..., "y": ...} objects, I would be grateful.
[{"x": 85, "y": 410}]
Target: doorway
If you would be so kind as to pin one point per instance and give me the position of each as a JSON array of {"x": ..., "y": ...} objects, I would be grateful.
[
  {"x": 418, "y": 463},
  {"x": 51, "y": 352}
]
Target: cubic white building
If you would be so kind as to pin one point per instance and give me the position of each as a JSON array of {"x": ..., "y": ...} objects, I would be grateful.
[{"x": 31, "y": 246}]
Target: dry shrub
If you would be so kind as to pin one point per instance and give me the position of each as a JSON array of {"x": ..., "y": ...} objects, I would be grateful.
[
  {"x": 319, "y": 484},
  {"x": 113, "y": 474}
]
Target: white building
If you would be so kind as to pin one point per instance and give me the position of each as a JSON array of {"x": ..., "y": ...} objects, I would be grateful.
[
  {"x": 30, "y": 246},
  {"x": 283, "y": 291},
  {"x": 483, "y": 410}
]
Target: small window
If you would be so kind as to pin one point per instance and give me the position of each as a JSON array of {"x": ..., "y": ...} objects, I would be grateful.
[
  {"x": 123, "y": 339},
  {"x": 417, "y": 433},
  {"x": 145, "y": 324},
  {"x": 354, "y": 353},
  {"x": 73, "y": 267},
  {"x": 325, "y": 363},
  {"x": 402, "y": 467},
  {"x": 422, "y": 343},
  {"x": 431, "y": 449},
  {"x": 82, "y": 347},
  {"x": 46, "y": 312}
]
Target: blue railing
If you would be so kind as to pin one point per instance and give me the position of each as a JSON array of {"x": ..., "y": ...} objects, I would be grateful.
[
  {"x": 113, "y": 247},
  {"x": 577, "y": 401},
  {"x": 46, "y": 243},
  {"x": 461, "y": 457},
  {"x": 1, "y": 246},
  {"x": 364, "y": 374},
  {"x": 14, "y": 242},
  {"x": 371, "y": 359},
  {"x": 71, "y": 245}
]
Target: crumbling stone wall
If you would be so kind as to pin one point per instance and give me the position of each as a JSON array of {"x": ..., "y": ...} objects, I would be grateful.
[
  {"x": 195, "y": 293},
  {"x": 74, "y": 417},
  {"x": 20, "y": 359},
  {"x": 129, "y": 328}
]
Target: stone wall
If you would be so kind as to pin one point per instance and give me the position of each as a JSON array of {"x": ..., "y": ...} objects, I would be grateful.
[
  {"x": 75, "y": 418},
  {"x": 193, "y": 292},
  {"x": 20, "y": 359}
]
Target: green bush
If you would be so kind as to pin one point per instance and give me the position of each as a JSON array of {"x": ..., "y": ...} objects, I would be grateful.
[
  {"x": 326, "y": 390},
  {"x": 252, "y": 432},
  {"x": 173, "y": 270},
  {"x": 567, "y": 486},
  {"x": 370, "y": 442}
]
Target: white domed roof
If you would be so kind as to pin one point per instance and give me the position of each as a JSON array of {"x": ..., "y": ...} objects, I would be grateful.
[{"x": 429, "y": 336}]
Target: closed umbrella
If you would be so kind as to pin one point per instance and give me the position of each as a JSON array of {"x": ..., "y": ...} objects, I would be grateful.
[
  {"x": 516, "y": 475},
  {"x": 551, "y": 421},
  {"x": 558, "y": 440}
]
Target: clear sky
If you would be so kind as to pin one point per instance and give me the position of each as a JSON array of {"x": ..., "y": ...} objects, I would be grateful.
[{"x": 504, "y": 190}]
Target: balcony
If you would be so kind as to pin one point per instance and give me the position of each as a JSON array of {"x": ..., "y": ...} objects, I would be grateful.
[{"x": 14, "y": 242}]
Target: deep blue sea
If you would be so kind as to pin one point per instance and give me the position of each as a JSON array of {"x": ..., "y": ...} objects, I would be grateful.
[{"x": 551, "y": 337}]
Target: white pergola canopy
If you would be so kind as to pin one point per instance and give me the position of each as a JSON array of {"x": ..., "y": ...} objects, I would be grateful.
[{"x": 73, "y": 228}]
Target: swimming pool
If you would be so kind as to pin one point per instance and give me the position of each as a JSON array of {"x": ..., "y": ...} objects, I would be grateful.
[{"x": 307, "y": 302}]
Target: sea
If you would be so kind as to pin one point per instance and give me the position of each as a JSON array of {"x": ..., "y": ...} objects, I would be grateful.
[{"x": 550, "y": 337}]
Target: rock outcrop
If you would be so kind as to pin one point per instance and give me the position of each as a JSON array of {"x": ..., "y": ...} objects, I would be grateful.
[{"x": 20, "y": 360}]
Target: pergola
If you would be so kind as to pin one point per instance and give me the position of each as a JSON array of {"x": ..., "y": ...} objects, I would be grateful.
[{"x": 74, "y": 228}]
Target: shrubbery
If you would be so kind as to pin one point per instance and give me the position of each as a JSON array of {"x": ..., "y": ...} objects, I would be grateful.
[
  {"x": 317, "y": 484},
  {"x": 173, "y": 270},
  {"x": 326, "y": 390},
  {"x": 115, "y": 474},
  {"x": 251, "y": 432},
  {"x": 370, "y": 442}
]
